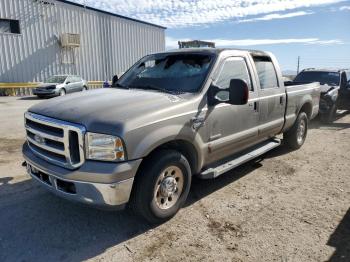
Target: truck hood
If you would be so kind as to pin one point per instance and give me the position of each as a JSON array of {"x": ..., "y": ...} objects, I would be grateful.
[{"x": 108, "y": 110}]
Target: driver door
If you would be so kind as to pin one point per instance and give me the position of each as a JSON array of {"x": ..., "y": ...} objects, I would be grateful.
[
  {"x": 233, "y": 127},
  {"x": 344, "y": 93}
]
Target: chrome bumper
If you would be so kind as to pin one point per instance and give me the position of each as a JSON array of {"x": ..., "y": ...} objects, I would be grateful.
[
  {"x": 103, "y": 191},
  {"x": 106, "y": 196}
]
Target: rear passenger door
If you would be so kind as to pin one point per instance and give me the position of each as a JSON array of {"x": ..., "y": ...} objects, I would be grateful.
[
  {"x": 70, "y": 85},
  {"x": 272, "y": 97},
  {"x": 232, "y": 127},
  {"x": 76, "y": 83}
]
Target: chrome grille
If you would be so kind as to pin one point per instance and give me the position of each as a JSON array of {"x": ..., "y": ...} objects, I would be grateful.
[{"x": 56, "y": 141}]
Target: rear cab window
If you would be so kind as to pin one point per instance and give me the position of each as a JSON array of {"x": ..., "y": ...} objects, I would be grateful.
[{"x": 266, "y": 72}]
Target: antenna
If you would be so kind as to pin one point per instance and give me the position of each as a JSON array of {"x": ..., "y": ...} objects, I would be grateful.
[{"x": 298, "y": 68}]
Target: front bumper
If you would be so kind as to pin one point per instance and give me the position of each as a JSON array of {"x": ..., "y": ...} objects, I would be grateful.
[
  {"x": 103, "y": 185},
  {"x": 51, "y": 92}
]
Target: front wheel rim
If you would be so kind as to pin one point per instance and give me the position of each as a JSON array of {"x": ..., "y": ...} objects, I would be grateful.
[
  {"x": 301, "y": 131},
  {"x": 62, "y": 93},
  {"x": 168, "y": 187}
]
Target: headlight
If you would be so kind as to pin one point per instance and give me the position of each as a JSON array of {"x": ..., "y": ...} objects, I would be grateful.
[
  {"x": 104, "y": 147},
  {"x": 334, "y": 97}
]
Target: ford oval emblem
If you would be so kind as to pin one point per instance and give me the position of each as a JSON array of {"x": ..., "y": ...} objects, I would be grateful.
[{"x": 39, "y": 139}]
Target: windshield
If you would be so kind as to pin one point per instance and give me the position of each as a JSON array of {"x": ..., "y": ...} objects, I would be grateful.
[
  {"x": 329, "y": 78},
  {"x": 56, "y": 79},
  {"x": 173, "y": 73}
]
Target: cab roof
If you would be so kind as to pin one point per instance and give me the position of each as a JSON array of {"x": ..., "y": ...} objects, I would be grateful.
[{"x": 215, "y": 51}]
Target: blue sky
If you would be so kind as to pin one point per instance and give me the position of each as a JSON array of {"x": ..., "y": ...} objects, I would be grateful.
[{"x": 316, "y": 30}]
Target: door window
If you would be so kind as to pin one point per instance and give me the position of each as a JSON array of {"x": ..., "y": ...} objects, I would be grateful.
[
  {"x": 77, "y": 79},
  {"x": 70, "y": 80},
  {"x": 343, "y": 81},
  {"x": 266, "y": 72},
  {"x": 233, "y": 68}
]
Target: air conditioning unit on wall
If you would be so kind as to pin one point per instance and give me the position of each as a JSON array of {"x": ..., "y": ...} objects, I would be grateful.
[{"x": 70, "y": 40}]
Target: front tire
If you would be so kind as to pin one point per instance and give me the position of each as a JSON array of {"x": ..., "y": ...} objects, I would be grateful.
[
  {"x": 295, "y": 137},
  {"x": 62, "y": 92},
  {"x": 162, "y": 186}
]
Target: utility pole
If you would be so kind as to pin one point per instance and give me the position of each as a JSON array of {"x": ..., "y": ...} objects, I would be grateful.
[{"x": 298, "y": 65}]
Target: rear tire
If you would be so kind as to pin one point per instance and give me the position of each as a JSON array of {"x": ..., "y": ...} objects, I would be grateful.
[
  {"x": 295, "y": 137},
  {"x": 162, "y": 186}
]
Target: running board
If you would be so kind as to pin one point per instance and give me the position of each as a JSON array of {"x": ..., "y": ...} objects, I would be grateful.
[{"x": 258, "y": 150}]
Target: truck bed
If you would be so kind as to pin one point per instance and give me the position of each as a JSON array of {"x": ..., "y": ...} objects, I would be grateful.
[{"x": 297, "y": 94}]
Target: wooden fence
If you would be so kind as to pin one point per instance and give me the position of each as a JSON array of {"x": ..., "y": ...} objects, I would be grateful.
[{"x": 25, "y": 89}]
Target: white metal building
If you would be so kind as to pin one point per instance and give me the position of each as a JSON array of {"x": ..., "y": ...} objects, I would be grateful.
[{"x": 39, "y": 38}]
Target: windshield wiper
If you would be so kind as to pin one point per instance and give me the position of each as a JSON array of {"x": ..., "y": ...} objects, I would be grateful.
[
  {"x": 120, "y": 85},
  {"x": 152, "y": 87}
]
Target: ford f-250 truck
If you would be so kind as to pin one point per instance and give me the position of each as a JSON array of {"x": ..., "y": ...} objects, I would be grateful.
[{"x": 170, "y": 116}]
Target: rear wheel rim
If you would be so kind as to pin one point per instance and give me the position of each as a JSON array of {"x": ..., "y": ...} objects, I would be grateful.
[
  {"x": 168, "y": 187},
  {"x": 301, "y": 131}
]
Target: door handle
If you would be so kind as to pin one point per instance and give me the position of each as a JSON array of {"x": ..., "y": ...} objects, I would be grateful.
[
  {"x": 254, "y": 105},
  {"x": 281, "y": 100}
]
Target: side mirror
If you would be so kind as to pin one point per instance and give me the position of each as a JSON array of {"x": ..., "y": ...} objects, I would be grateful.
[
  {"x": 236, "y": 94},
  {"x": 67, "y": 83},
  {"x": 115, "y": 80}
]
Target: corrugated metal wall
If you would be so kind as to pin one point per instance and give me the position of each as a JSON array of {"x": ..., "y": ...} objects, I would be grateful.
[{"x": 109, "y": 44}]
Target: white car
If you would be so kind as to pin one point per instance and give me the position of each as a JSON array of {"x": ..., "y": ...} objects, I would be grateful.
[{"x": 60, "y": 85}]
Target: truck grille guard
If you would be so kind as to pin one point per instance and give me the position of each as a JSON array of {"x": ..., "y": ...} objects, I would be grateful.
[{"x": 56, "y": 141}]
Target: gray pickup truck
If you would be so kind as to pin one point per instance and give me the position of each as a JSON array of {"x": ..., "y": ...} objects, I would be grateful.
[{"x": 172, "y": 115}]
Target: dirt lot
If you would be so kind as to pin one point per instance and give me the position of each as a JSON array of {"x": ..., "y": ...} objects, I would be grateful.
[{"x": 291, "y": 206}]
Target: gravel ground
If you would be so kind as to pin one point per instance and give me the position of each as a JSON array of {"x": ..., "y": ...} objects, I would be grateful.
[{"x": 288, "y": 206}]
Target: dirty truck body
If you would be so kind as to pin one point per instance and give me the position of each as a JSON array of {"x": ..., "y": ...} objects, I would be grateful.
[{"x": 172, "y": 115}]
